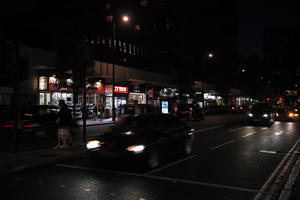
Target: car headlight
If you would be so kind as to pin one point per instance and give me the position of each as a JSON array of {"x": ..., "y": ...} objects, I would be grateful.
[
  {"x": 136, "y": 148},
  {"x": 277, "y": 115},
  {"x": 93, "y": 144},
  {"x": 265, "y": 115},
  {"x": 250, "y": 114}
]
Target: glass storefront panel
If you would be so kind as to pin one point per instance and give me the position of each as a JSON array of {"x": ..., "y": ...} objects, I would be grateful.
[
  {"x": 48, "y": 99},
  {"x": 42, "y": 99}
]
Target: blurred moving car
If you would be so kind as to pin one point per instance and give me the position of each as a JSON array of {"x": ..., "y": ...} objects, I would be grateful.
[
  {"x": 126, "y": 110},
  {"x": 145, "y": 138},
  {"x": 261, "y": 113},
  {"x": 285, "y": 114},
  {"x": 35, "y": 119},
  {"x": 189, "y": 112}
]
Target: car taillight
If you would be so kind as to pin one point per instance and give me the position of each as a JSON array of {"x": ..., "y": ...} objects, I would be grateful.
[
  {"x": 191, "y": 109},
  {"x": 28, "y": 126},
  {"x": 232, "y": 108},
  {"x": 241, "y": 108},
  {"x": 175, "y": 108},
  {"x": 8, "y": 126}
]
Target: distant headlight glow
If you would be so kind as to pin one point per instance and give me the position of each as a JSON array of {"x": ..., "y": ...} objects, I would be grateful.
[
  {"x": 136, "y": 148},
  {"x": 250, "y": 115},
  {"x": 93, "y": 144},
  {"x": 265, "y": 115}
]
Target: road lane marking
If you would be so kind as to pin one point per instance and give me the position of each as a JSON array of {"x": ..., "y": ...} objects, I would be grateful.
[
  {"x": 169, "y": 165},
  {"x": 208, "y": 129},
  {"x": 275, "y": 172},
  {"x": 248, "y": 134},
  {"x": 221, "y": 145},
  {"x": 174, "y": 180},
  {"x": 266, "y": 151}
]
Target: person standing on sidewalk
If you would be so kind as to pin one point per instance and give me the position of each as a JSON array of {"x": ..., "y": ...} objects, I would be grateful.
[
  {"x": 64, "y": 119},
  {"x": 101, "y": 110}
]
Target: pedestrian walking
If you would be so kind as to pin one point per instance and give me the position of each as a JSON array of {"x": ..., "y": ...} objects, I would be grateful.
[{"x": 64, "y": 120}]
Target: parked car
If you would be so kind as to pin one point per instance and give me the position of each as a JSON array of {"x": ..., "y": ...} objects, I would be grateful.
[
  {"x": 35, "y": 119},
  {"x": 126, "y": 110},
  {"x": 262, "y": 113},
  {"x": 189, "y": 112},
  {"x": 145, "y": 138},
  {"x": 238, "y": 109},
  {"x": 285, "y": 114}
]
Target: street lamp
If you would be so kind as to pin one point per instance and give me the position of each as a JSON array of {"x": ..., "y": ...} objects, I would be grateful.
[
  {"x": 205, "y": 57},
  {"x": 125, "y": 19}
]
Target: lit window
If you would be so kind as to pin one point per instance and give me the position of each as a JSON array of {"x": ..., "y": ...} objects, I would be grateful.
[
  {"x": 109, "y": 18},
  {"x": 115, "y": 43},
  {"x": 134, "y": 50},
  {"x": 130, "y": 49},
  {"x": 103, "y": 41},
  {"x": 144, "y": 3},
  {"x": 124, "y": 47},
  {"x": 137, "y": 27},
  {"x": 120, "y": 45}
]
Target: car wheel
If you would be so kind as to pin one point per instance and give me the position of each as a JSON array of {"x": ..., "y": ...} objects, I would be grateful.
[
  {"x": 153, "y": 159},
  {"x": 188, "y": 146}
]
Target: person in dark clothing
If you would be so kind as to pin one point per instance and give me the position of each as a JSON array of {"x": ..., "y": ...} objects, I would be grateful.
[{"x": 64, "y": 119}]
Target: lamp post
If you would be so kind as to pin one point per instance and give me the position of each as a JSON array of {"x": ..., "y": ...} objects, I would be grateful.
[
  {"x": 204, "y": 58},
  {"x": 125, "y": 19}
]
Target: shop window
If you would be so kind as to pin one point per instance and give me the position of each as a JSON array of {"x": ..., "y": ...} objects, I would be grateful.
[
  {"x": 109, "y": 42},
  {"x": 144, "y": 3},
  {"x": 115, "y": 44},
  {"x": 109, "y": 18},
  {"x": 42, "y": 99}
]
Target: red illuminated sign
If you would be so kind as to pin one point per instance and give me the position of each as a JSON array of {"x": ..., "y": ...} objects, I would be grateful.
[{"x": 120, "y": 89}]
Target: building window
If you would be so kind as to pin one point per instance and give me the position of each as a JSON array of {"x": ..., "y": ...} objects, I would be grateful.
[
  {"x": 109, "y": 42},
  {"x": 144, "y": 3},
  {"x": 130, "y": 48},
  {"x": 120, "y": 46},
  {"x": 124, "y": 47},
  {"x": 134, "y": 49},
  {"x": 115, "y": 43},
  {"x": 103, "y": 41},
  {"x": 107, "y": 6},
  {"x": 137, "y": 27}
]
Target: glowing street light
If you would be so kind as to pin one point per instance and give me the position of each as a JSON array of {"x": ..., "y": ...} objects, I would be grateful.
[
  {"x": 125, "y": 18},
  {"x": 210, "y": 55}
]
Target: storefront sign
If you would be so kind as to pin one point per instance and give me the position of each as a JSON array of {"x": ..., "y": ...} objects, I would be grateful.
[
  {"x": 121, "y": 90},
  {"x": 43, "y": 83},
  {"x": 118, "y": 90}
]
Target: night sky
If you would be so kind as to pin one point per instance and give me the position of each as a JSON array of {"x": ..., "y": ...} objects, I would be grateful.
[
  {"x": 254, "y": 16},
  {"x": 257, "y": 14}
]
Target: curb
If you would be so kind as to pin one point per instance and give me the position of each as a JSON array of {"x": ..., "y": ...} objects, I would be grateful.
[{"x": 109, "y": 123}]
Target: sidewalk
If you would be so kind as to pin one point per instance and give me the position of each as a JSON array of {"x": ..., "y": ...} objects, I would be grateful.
[{"x": 92, "y": 122}]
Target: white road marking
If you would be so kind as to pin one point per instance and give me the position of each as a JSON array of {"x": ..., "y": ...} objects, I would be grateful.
[
  {"x": 275, "y": 172},
  {"x": 234, "y": 129},
  {"x": 174, "y": 180},
  {"x": 278, "y": 132},
  {"x": 172, "y": 164},
  {"x": 208, "y": 129},
  {"x": 221, "y": 145},
  {"x": 248, "y": 134},
  {"x": 266, "y": 151}
]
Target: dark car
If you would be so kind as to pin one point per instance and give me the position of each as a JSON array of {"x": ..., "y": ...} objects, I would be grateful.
[
  {"x": 145, "y": 138},
  {"x": 262, "y": 113},
  {"x": 285, "y": 114},
  {"x": 238, "y": 109},
  {"x": 189, "y": 112},
  {"x": 126, "y": 110},
  {"x": 34, "y": 119}
]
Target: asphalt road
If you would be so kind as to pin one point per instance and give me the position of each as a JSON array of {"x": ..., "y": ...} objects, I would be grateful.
[{"x": 231, "y": 162}]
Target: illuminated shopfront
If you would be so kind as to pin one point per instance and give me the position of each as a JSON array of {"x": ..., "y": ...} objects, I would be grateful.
[
  {"x": 51, "y": 90},
  {"x": 121, "y": 96}
]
